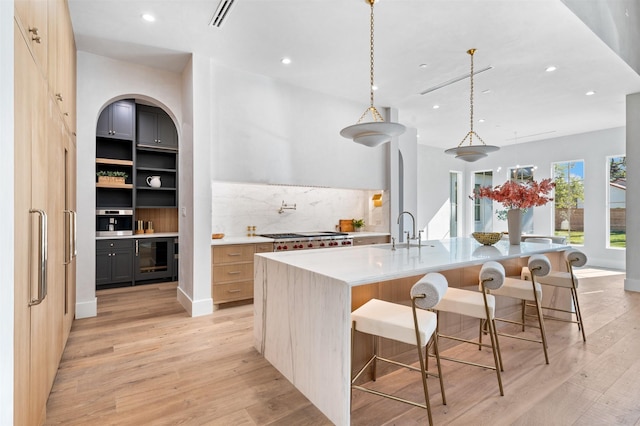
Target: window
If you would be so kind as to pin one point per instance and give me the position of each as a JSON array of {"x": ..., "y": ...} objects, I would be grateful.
[
  {"x": 617, "y": 201},
  {"x": 523, "y": 175},
  {"x": 569, "y": 201},
  {"x": 482, "y": 207}
]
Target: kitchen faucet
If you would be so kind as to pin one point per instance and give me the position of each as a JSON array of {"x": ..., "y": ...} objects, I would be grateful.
[{"x": 413, "y": 222}]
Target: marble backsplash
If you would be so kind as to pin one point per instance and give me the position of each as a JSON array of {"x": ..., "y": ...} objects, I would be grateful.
[{"x": 238, "y": 205}]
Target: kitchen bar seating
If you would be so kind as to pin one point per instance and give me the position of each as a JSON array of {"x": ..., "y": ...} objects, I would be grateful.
[
  {"x": 480, "y": 305},
  {"x": 528, "y": 291},
  {"x": 413, "y": 325},
  {"x": 568, "y": 280}
]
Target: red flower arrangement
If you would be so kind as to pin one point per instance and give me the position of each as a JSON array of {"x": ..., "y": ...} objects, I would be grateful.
[{"x": 518, "y": 195}]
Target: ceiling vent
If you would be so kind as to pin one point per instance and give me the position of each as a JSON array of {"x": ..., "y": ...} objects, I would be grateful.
[
  {"x": 453, "y": 80},
  {"x": 221, "y": 13}
]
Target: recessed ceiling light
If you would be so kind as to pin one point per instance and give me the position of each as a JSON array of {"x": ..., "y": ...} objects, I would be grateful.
[
  {"x": 422, "y": 66},
  {"x": 286, "y": 61},
  {"x": 590, "y": 93},
  {"x": 374, "y": 87},
  {"x": 436, "y": 106},
  {"x": 551, "y": 68},
  {"x": 148, "y": 17},
  {"x": 481, "y": 120},
  {"x": 486, "y": 91}
]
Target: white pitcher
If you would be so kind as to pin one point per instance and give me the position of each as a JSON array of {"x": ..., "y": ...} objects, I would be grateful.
[{"x": 154, "y": 181}]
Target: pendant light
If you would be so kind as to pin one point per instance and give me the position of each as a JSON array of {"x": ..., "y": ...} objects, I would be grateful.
[
  {"x": 471, "y": 152},
  {"x": 376, "y": 132}
]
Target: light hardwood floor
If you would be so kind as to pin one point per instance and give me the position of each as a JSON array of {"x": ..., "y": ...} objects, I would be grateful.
[{"x": 142, "y": 360}]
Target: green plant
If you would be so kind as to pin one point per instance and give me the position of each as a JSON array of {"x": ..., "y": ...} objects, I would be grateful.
[
  {"x": 357, "y": 223},
  {"x": 112, "y": 173}
]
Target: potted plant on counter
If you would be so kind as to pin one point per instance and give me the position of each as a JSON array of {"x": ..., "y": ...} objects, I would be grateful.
[{"x": 358, "y": 224}]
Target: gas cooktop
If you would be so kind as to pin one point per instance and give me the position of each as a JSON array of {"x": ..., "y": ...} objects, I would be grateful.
[{"x": 304, "y": 234}]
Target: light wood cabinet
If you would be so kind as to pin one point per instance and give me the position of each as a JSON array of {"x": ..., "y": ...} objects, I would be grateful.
[
  {"x": 232, "y": 271},
  {"x": 365, "y": 240},
  {"x": 44, "y": 158}
]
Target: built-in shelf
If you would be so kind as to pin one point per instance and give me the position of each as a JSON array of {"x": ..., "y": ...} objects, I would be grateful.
[
  {"x": 156, "y": 169},
  {"x": 149, "y": 188},
  {"x": 114, "y": 162},
  {"x": 114, "y": 185}
]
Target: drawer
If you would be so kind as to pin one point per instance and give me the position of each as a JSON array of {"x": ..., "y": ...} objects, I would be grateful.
[
  {"x": 233, "y": 272},
  {"x": 264, "y": 248},
  {"x": 233, "y": 291},
  {"x": 234, "y": 253},
  {"x": 362, "y": 241},
  {"x": 126, "y": 243}
]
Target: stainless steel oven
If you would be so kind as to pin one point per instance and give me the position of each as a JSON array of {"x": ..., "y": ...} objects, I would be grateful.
[
  {"x": 114, "y": 222},
  {"x": 309, "y": 240}
]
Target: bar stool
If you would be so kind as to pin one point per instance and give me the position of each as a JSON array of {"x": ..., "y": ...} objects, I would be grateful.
[
  {"x": 407, "y": 324},
  {"x": 568, "y": 280},
  {"x": 527, "y": 291},
  {"x": 479, "y": 305}
]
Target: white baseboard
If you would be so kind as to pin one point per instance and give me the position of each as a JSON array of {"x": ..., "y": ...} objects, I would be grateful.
[
  {"x": 197, "y": 308},
  {"x": 631, "y": 285},
  {"x": 87, "y": 309}
]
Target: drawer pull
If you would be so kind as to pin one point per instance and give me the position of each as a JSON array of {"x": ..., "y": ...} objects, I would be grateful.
[
  {"x": 234, "y": 254},
  {"x": 233, "y": 272},
  {"x": 234, "y": 291}
]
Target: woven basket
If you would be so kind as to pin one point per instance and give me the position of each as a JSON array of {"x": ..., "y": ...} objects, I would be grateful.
[{"x": 487, "y": 238}]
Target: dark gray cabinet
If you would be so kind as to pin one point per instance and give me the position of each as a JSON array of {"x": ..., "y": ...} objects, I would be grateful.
[
  {"x": 155, "y": 128},
  {"x": 117, "y": 121},
  {"x": 114, "y": 262}
]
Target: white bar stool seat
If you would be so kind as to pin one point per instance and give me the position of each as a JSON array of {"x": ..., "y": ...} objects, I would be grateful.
[
  {"x": 528, "y": 291},
  {"x": 573, "y": 258},
  {"x": 480, "y": 305},
  {"x": 407, "y": 324}
]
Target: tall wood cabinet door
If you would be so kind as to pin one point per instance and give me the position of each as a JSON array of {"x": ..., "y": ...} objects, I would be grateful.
[
  {"x": 31, "y": 375},
  {"x": 70, "y": 234},
  {"x": 33, "y": 16},
  {"x": 55, "y": 184}
]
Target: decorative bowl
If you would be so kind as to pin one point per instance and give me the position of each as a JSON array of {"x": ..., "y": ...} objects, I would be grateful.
[
  {"x": 217, "y": 236},
  {"x": 487, "y": 238}
]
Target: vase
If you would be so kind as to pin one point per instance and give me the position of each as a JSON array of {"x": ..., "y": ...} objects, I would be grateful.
[{"x": 514, "y": 225}]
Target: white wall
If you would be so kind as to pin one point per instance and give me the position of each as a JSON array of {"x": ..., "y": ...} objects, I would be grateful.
[
  {"x": 101, "y": 81},
  {"x": 632, "y": 280},
  {"x": 593, "y": 148},
  {"x": 6, "y": 212},
  {"x": 266, "y": 131},
  {"x": 433, "y": 191}
]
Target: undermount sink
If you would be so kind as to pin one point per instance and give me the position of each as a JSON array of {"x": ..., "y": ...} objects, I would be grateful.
[{"x": 402, "y": 246}]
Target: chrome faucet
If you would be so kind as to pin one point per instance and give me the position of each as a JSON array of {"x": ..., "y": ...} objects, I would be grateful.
[{"x": 413, "y": 222}]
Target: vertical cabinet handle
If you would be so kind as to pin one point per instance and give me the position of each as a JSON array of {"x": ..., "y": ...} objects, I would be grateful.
[
  {"x": 42, "y": 270},
  {"x": 71, "y": 251},
  {"x": 137, "y": 248},
  {"x": 74, "y": 228},
  {"x": 68, "y": 249}
]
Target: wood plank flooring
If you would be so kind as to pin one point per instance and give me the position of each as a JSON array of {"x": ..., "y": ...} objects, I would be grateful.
[{"x": 142, "y": 360}]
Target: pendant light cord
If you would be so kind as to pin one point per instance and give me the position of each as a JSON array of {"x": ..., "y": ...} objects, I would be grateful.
[{"x": 372, "y": 109}]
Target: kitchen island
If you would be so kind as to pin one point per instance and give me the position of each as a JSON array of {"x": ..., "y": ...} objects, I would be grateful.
[{"x": 303, "y": 302}]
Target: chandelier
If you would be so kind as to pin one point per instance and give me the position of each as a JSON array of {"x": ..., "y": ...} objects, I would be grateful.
[
  {"x": 471, "y": 152},
  {"x": 378, "y": 131}
]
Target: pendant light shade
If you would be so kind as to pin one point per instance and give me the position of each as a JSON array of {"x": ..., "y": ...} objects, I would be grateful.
[
  {"x": 378, "y": 131},
  {"x": 471, "y": 152}
]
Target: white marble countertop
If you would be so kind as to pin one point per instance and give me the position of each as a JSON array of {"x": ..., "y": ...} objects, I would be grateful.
[
  {"x": 239, "y": 240},
  {"x": 372, "y": 263},
  {"x": 137, "y": 236}
]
